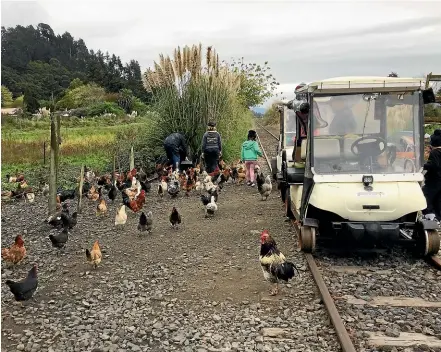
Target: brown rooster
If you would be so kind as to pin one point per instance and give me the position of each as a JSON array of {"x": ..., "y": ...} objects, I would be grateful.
[
  {"x": 136, "y": 204},
  {"x": 16, "y": 253}
]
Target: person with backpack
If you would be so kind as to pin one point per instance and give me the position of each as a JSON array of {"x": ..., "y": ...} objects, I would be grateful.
[
  {"x": 211, "y": 148},
  {"x": 250, "y": 153}
]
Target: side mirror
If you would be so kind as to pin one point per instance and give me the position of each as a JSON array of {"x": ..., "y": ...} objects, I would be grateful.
[{"x": 428, "y": 96}]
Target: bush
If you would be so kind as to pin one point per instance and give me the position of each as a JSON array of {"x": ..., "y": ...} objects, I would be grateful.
[
  {"x": 140, "y": 107},
  {"x": 272, "y": 115},
  {"x": 99, "y": 109},
  {"x": 18, "y": 103},
  {"x": 6, "y": 97},
  {"x": 188, "y": 93},
  {"x": 83, "y": 96}
]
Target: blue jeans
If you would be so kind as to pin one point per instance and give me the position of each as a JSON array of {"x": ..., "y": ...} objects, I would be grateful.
[{"x": 172, "y": 156}]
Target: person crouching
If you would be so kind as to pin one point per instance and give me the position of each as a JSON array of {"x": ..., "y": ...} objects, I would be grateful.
[{"x": 176, "y": 148}]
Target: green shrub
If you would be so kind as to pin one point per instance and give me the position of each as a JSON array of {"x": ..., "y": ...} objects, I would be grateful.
[
  {"x": 18, "y": 103},
  {"x": 210, "y": 92},
  {"x": 102, "y": 108},
  {"x": 83, "y": 96},
  {"x": 6, "y": 97}
]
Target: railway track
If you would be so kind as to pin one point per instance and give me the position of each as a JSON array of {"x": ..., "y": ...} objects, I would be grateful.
[{"x": 379, "y": 301}]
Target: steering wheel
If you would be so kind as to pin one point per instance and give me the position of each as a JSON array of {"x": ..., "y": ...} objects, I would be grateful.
[{"x": 372, "y": 146}]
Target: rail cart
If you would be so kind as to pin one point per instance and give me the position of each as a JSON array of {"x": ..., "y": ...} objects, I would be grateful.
[{"x": 349, "y": 183}]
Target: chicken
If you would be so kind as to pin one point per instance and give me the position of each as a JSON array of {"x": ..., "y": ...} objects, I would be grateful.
[
  {"x": 175, "y": 218},
  {"x": 162, "y": 186},
  {"x": 136, "y": 204},
  {"x": 199, "y": 186},
  {"x": 211, "y": 207},
  {"x": 214, "y": 192},
  {"x": 45, "y": 190},
  {"x": 94, "y": 256},
  {"x": 63, "y": 219},
  {"x": 59, "y": 241},
  {"x": 224, "y": 177},
  {"x": 266, "y": 188},
  {"x": 16, "y": 253},
  {"x": 173, "y": 188},
  {"x": 63, "y": 195},
  {"x": 145, "y": 222},
  {"x": 30, "y": 196},
  {"x": 241, "y": 174},
  {"x": 188, "y": 186},
  {"x": 101, "y": 208},
  {"x": 273, "y": 263},
  {"x": 24, "y": 290},
  {"x": 113, "y": 192},
  {"x": 121, "y": 216}
]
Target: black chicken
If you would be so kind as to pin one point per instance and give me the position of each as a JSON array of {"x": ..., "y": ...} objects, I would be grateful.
[
  {"x": 146, "y": 186},
  {"x": 59, "y": 241},
  {"x": 66, "y": 194},
  {"x": 175, "y": 217},
  {"x": 113, "y": 193},
  {"x": 205, "y": 199},
  {"x": 24, "y": 289}
]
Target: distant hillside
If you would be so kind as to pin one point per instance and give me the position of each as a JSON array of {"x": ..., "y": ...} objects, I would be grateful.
[{"x": 44, "y": 63}]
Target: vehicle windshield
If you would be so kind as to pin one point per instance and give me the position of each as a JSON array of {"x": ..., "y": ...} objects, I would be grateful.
[
  {"x": 290, "y": 127},
  {"x": 367, "y": 133}
]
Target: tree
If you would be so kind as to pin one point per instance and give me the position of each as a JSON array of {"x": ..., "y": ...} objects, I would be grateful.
[
  {"x": 392, "y": 74},
  {"x": 6, "y": 97},
  {"x": 30, "y": 103},
  {"x": 257, "y": 83}
]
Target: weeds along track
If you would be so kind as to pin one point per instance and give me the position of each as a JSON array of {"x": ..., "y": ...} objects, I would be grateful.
[{"x": 377, "y": 300}]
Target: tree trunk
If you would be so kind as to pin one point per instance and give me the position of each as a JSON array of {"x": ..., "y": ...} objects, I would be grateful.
[
  {"x": 80, "y": 190},
  {"x": 53, "y": 169},
  {"x": 57, "y": 149},
  {"x": 132, "y": 159}
]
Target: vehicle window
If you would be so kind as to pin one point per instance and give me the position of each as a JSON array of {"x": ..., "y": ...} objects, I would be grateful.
[
  {"x": 389, "y": 125},
  {"x": 290, "y": 127}
]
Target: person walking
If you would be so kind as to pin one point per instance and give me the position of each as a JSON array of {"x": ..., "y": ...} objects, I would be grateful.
[
  {"x": 211, "y": 148},
  {"x": 175, "y": 147},
  {"x": 250, "y": 153}
]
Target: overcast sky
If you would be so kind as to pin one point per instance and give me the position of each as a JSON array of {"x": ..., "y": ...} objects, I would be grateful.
[{"x": 303, "y": 41}]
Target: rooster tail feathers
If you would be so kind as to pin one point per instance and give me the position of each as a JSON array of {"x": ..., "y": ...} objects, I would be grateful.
[{"x": 284, "y": 271}]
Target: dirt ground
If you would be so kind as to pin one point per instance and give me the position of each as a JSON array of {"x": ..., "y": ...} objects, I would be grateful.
[{"x": 207, "y": 264}]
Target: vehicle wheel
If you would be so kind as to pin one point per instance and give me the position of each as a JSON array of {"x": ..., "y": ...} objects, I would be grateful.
[
  {"x": 409, "y": 166},
  {"x": 288, "y": 210},
  {"x": 428, "y": 243},
  {"x": 307, "y": 239}
]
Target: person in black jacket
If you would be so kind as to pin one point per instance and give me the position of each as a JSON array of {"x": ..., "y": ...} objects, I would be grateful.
[
  {"x": 432, "y": 178},
  {"x": 175, "y": 146},
  {"x": 211, "y": 147}
]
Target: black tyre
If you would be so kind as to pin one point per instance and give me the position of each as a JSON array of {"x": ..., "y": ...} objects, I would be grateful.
[{"x": 288, "y": 209}]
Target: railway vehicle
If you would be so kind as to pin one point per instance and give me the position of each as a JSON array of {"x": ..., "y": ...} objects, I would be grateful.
[{"x": 347, "y": 182}]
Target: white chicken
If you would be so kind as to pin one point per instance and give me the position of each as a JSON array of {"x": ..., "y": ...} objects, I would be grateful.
[
  {"x": 211, "y": 207},
  {"x": 162, "y": 188},
  {"x": 265, "y": 188},
  {"x": 121, "y": 216}
]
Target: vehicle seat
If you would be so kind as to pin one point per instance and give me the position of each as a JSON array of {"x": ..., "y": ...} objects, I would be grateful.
[
  {"x": 347, "y": 144},
  {"x": 326, "y": 149}
]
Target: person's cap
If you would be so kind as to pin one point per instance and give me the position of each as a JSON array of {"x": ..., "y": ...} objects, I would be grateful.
[{"x": 211, "y": 124}]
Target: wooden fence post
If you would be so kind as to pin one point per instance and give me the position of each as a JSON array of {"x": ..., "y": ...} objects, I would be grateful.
[
  {"x": 80, "y": 190},
  {"x": 44, "y": 153},
  {"x": 53, "y": 169},
  {"x": 132, "y": 159}
]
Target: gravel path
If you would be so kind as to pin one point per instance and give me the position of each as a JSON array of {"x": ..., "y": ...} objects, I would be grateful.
[{"x": 199, "y": 288}]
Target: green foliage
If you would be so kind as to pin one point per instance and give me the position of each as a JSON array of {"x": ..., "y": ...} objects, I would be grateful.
[
  {"x": 30, "y": 103},
  {"x": 257, "y": 83},
  {"x": 125, "y": 100},
  {"x": 76, "y": 83},
  {"x": 204, "y": 91},
  {"x": 102, "y": 108},
  {"x": 431, "y": 128},
  {"x": 139, "y": 106},
  {"x": 37, "y": 59},
  {"x": 432, "y": 112},
  {"x": 18, "y": 102},
  {"x": 272, "y": 115},
  {"x": 6, "y": 97},
  {"x": 82, "y": 96}
]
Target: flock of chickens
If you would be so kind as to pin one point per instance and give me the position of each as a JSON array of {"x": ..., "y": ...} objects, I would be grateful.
[{"x": 133, "y": 187}]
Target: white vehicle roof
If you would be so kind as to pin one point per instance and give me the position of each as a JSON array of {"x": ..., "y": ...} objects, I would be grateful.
[{"x": 364, "y": 83}]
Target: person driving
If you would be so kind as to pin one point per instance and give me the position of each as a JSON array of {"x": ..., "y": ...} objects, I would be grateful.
[{"x": 344, "y": 120}]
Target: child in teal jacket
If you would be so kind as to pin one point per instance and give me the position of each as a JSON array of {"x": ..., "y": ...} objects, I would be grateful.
[{"x": 250, "y": 153}]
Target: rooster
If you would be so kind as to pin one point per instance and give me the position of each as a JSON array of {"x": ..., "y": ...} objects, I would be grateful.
[
  {"x": 94, "y": 256},
  {"x": 273, "y": 263},
  {"x": 16, "y": 253},
  {"x": 136, "y": 204},
  {"x": 265, "y": 188}
]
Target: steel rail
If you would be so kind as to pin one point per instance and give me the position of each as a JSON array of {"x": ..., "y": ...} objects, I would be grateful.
[{"x": 272, "y": 134}]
